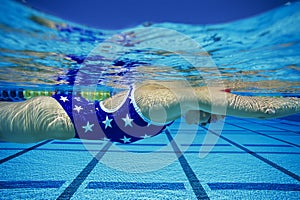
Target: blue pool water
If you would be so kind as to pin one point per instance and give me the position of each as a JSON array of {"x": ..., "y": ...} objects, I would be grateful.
[{"x": 251, "y": 159}]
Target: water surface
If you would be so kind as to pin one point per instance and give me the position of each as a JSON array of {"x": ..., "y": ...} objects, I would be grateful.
[{"x": 259, "y": 54}]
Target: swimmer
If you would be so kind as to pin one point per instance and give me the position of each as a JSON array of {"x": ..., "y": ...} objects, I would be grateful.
[{"x": 149, "y": 107}]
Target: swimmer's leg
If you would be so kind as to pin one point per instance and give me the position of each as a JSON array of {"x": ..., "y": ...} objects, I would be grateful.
[{"x": 37, "y": 119}]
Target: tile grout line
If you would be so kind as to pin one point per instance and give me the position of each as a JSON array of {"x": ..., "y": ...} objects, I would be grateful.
[
  {"x": 253, "y": 186},
  {"x": 72, "y": 188},
  {"x": 288, "y": 124},
  {"x": 141, "y": 151},
  {"x": 271, "y": 126},
  {"x": 23, "y": 152},
  {"x": 296, "y": 145},
  {"x": 194, "y": 181},
  {"x": 280, "y": 121},
  {"x": 265, "y": 160}
]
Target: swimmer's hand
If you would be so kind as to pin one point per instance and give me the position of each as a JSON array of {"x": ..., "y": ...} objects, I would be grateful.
[{"x": 197, "y": 117}]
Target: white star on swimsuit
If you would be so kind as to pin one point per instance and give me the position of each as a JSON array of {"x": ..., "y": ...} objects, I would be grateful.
[
  {"x": 88, "y": 127},
  {"x": 125, "y": 139},
  {"x": 107, "y": 122},
  {"x": 77, "y": 98},
  {"x": 127, "y": 121},
  {"x": 131, "y": 99},
  {"x": 146, "y": 136},
  {"x": 61, "y": 82},
  {"x": 78, "y": 108},
  {"x": 64, "y": 99},
  {"x": 105, "y": 139}
]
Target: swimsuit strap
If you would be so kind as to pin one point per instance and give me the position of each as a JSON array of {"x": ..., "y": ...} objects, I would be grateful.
[{"x": 124, "y": 124}]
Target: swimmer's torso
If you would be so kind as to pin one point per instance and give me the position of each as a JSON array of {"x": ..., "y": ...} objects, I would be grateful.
[{"x": 123, "y": 124}]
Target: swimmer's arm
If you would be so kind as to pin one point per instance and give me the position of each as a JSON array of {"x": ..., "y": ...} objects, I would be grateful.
[
  {"x": 177, "y": 101},
  {"x": 247, "y": 106}
]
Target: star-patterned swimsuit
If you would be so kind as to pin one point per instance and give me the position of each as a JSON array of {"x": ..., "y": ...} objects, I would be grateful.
[{"x": 93, "y": 121}]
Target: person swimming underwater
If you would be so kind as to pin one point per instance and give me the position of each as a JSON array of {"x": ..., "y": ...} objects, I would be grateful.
[{"x": 146, "y": 109}]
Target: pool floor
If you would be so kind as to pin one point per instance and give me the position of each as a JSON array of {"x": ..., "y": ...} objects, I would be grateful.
[{"x": 252, "y": 159}]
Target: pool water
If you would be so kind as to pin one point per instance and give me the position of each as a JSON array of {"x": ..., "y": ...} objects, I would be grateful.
[
  {"x": 259, "y": 54},
  {"x": 250, "y": 159}
]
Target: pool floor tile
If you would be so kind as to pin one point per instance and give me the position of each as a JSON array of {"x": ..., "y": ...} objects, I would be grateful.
[{"x": 247, "y": 152}]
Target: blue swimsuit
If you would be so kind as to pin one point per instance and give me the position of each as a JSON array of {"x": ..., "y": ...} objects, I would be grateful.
[{"x": 124, "y": 124}]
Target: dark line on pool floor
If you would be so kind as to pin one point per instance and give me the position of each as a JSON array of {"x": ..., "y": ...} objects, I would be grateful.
[
  {"x": 206, "y": 145},
  {"x": 80, "y": 143},
  {"x": 254, "y": 186},
  {"x": 194, "y": 181},
  {"x": 72, "y": 188},
  {"x": 23, "y": 151},
  {"x": 272, "y": 164},
  {"x": 135, "y": 186},
  {"x": 274, "y": 138},
  {"x": 121, "y": 144},
  {"x": 30, "y": 184},
  {"x": 267, "y": 145},
  {"x": 162, "y": 152},
  {"x": 282, "y": 129}
]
